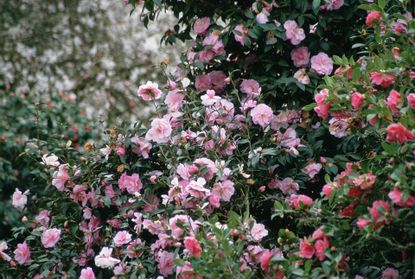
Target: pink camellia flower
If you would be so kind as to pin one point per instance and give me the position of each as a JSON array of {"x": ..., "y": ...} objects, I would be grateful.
[
  {"x": 320, "y": 246},
  {"x": 203, "y": 82},
  {"x": 306, "y": 249},
  {"x": 398, "y": 133},
  {"x": 240, "y": 34},
  {"x": 372, "y": 16},
  {"x": 312, "y": 169},
  {"x": 266, "y": 256},
  {"x": 131, "y": 183},
  {"x": 262, "y": 115},
  {"x": 193, "y": 246},
  {"x": 411, "y": 100},
  {"x": 362, "y": 223},
  {"x": 121, "y": 238},
  {"x": 296, "y": 200},
  {"x": 339, "y": 127},
  {"x": 165, "y": 263},
  {"x": 365, "y": 181},
  {"x": 196, "y": 188},
  {"x": 300, "y": 56},
  {"x": 201, "y": 25},
  {"x": 43, "y": 217},
  {"x": 332, "y": 5},
  {"x": 210, "y": 98},
  {"x": 322, "y": 64},
  {"x": 87, "y": 273},
  {"x": 214, "y": 200},
  {"x": 22, "y": 254},
  {"x": 328, "y": 188},
  {"x": 149, "y": 91},
  {"x": 397, "y": 198},
  {"x": 160, "y": 131},
  {"x": 186, "y": 272},
  {"x": 19, "y": 199},
  {"x": 258, "y": 232},
  {"x": 250, "y": 87},
  {"x": 104, "y": 259},
  {"x": 323, "y": 107},
  {"x": 293, "y": 33},
  {"x": 224, "y": 190},
  {"x": 176, "y": 230},
  {"x": 207, "y": 165},
  {"x": 50, "y": 160},
  {"x": 375, "y": 209},
  {"x": 262, "y": 17},
  {"x": 302, "y": 77},
  {"x": 288, "y": 186},
  {"x": 3, "y": 255},
  {"x": 288, "y": 139},
  {"x": 357, "y": 100},
  {"x": 382, "y": 79},
  {"x": 218, "y": 80},
  {"x": 174, "y": 100},
  {"x": 50, "y": 237},
  {"x": 393, "y": 100},
  {"x": 60, "y": 177},
  {"x": 390, "y": 273},
  {"x": 120, "y": 151},
  {"x": 142, "y": 147}
]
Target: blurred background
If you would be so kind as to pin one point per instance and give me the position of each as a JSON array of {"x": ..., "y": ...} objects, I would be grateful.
[{"x": 68, "y": 70}]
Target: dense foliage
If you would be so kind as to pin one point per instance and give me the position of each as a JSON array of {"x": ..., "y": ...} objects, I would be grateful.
[{"x": 282, "y": 148}]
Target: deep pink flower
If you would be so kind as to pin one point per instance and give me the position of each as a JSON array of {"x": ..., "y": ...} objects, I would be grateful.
[
  {"x": 393, "y": 100},
  {"x": 193, "y": 246},
  {"x": 300, "y": 56},
  {"x": 397, "y": 198},
  {"x": 50, "y": 237},
  {"x": 372, "y": 16},
  {"x": 306, "y": 249},
  {"x": 411, "y": 100},
  {"x": 131, "y": 183},
  {"x": 203, "y": 83},
  {"x": 320, "y": 246},
  {"x": 262, "y": 115},
  {"x": 362, "y": 223},
  {"x": 22, "y": 254},
  {"x": 382, "y": 79},
  {"x": 322, "y": 64},
  {"x": 398, "y": 133},
  {"x": 375, "y": 209},
  {"x": 201, "y": 25},
  {"x": 149, "y": 91},
  {"x": 296, "y": 200},
  {"x": 357, "y": 100}
]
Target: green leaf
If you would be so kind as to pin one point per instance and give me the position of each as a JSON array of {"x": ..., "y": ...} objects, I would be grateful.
[{"x": 316, "y": 6}]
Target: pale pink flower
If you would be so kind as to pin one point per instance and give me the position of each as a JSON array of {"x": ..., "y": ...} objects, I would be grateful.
[
  {"x": 43, "y": 217},
  {"x": 240, "y": 34},
  {"x": 193, "y": 246},
  {"x": 322, "y": 64},
  {"x": 196, "y": 188},
  {"x": 19, "y": 199},
  {"x": 258, "y": 232},
  {"x": 390, "y": 273},
  {"x": 50, "y": 160},
  {"x": 302, "y": 77},
  {"x": 323, "y": 107},
  {"x": 22, "y": 254},
  {"x": 210, "y": 98},
  {"x": 165, "y": 262},
  {"x": 262, "y": 17},
  {"x": 262, "y": 115},
  {"x": 131, "y": 183},
  {"x": 293, "y": 33},
  {"x": 121, "y": 238},
  {"x": 50, "y": 237},
  {"x": 288, "y": 186},
  {"x": 174, "y": 100},
  {"x": 201, "y": 25},
  {"x": 142, "y": 147},
  {"x": 312, "y": 169},
  {"x": 208, "y": 165},
  {"x": 214, "y": 199},
  {"x": 300, "y": 56},
  {"x": 104, "y": 259},
  {"x": 339, "y": 127},
  {"x": 149, "y": 91},
  {"x": 224, "y": 189},
  {"x": 160, "y": 131},
  {"x": 250, "y": 87},
  {"x": 87, "y": 273},
  {"x": 185, "y": 220},
  {"x": 288, "y": 139},
  {"x": 3, "y": 255},
  {"x": 60, "y": 177},
  {"x": 332, "y": 5}
]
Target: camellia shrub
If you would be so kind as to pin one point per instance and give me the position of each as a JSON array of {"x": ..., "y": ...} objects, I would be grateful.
[
  {"x": 243, "y": 174},
  {"x": 30, "y": 127}
]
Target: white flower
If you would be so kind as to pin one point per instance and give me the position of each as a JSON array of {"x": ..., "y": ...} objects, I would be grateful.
[
  {"x": 104, "y": 259},
  {"x": 3, "y": 247},
  {"x": 50, "y": 160}
]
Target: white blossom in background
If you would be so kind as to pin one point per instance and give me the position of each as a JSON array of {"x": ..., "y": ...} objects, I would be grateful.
[{"x": 94, "y": 49}]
